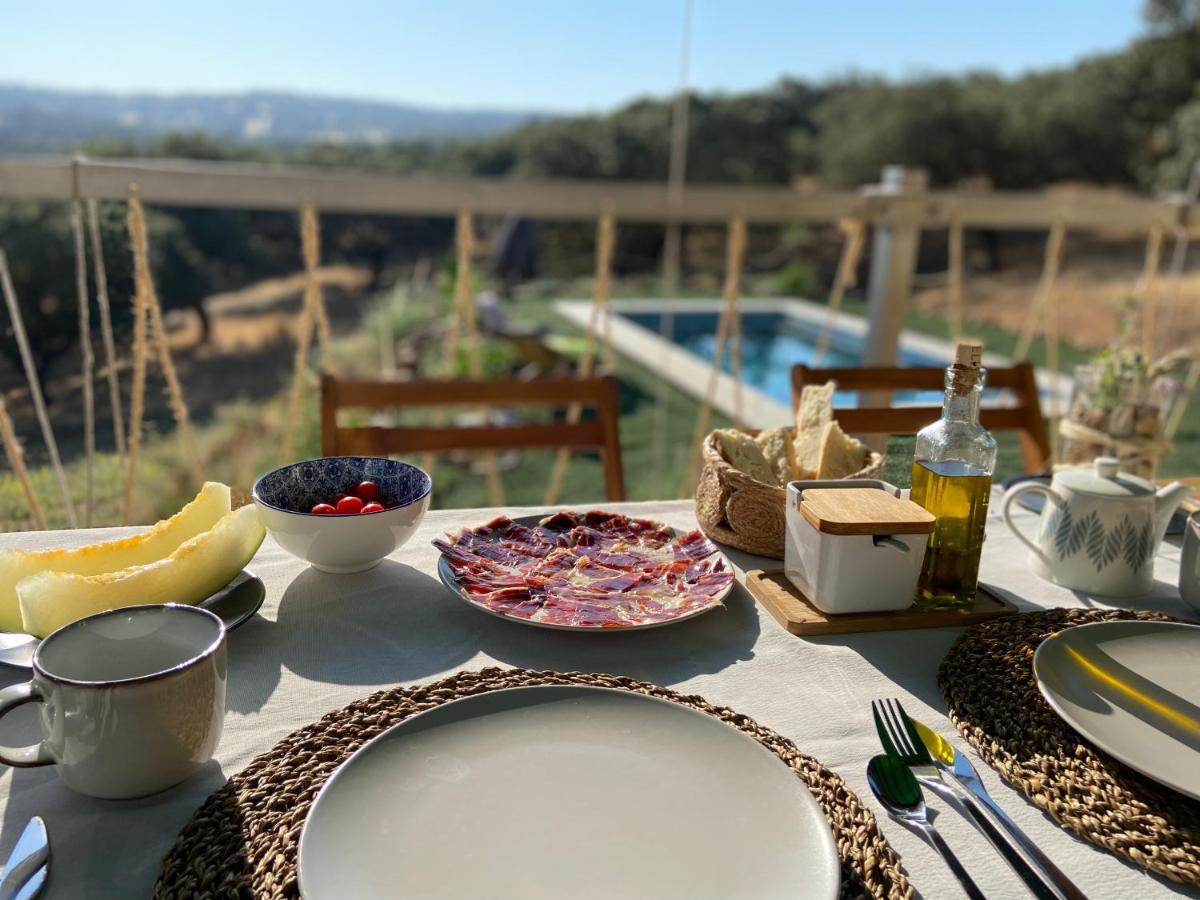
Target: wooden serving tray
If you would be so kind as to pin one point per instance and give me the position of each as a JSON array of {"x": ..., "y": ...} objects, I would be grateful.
[{"x": 793, "y": 611}]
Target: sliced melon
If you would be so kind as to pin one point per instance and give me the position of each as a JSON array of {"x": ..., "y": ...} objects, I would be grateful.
[
  {"x": 198, "y": 568},
  {"x": 157, "y": 542}
]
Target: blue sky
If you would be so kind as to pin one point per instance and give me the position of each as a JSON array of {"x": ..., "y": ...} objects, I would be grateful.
[{"x": 534, "y": 54}]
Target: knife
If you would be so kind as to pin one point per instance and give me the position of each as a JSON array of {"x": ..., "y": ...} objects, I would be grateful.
[
  {"x": 961, "y": 770},
  {"x": 28, "y": 865}
]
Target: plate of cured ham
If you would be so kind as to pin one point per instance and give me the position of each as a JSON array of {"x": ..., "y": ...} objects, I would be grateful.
[{"x": 592, "y": 571}]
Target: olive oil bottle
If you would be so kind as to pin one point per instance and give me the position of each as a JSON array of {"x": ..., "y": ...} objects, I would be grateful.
[{"x": 952, "y": 478}]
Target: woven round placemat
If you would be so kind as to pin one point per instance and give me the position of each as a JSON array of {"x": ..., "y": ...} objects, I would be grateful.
[
  {"x": 993, "y": 699},
  {"x": 242, "y": 842}
]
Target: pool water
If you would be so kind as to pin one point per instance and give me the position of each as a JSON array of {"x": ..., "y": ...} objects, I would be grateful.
[{"x": 773, "y": 342}]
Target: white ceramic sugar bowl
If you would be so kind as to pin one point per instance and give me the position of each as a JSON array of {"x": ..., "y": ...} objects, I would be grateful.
[
  {"x": 1099, "y": 529},
  {"x": 854, "y": 546}
]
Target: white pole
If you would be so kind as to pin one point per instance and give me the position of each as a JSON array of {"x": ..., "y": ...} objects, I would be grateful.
[{"x": 672, "y": 249}]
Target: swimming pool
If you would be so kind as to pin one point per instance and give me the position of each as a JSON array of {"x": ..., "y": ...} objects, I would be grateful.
[
  {"x": 777, "y": 333},
  {"x": 773, "y": 342}
]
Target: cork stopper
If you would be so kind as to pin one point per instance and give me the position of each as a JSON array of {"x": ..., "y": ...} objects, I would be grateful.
[
  {"x": 969, "y": 354},
  {"x": 967, "y": 370}
]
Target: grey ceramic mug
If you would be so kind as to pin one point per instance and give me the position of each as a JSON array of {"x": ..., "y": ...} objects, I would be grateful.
[
  {"x": 132, "y": 701},
  {"x": 1189, "y": 564}
]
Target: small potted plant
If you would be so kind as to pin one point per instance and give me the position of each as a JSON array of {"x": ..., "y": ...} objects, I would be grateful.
[{"x": 1119, "y": 407}]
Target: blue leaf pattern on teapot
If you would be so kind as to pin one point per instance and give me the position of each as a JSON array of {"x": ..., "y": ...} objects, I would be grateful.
[{"x": 1070, "y": 535}]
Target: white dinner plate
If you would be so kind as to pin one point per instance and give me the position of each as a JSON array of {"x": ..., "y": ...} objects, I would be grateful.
[
  {"x": 449, "y": 579},
  {"x": 1133, "y": 690},
  {"x": 542, "y": 793}
]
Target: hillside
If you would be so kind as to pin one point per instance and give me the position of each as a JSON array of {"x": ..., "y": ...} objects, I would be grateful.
[{"x": 43, "y": 119}]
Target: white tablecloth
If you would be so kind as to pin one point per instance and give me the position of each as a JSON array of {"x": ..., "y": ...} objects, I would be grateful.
[{"x": 322, "y": 641}]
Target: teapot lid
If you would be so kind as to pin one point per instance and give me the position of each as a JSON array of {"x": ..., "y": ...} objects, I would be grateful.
[{"x": 1103, "y": 480}]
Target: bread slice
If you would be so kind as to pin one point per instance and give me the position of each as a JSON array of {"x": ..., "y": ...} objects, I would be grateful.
[
  {"x": 740, "y": 450},
  {"x": 778, "y": 449},
  {"x": 841, "y": 455},
  {"x": 813, "y": 414}
]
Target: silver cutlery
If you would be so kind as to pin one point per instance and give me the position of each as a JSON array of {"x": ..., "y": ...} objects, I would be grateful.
[
  {"x": 895, "y": 787},
  {"x": 962, "y": 771},
  {"x": 28, "y": 865},
  {"x": 900, "y": 739}
]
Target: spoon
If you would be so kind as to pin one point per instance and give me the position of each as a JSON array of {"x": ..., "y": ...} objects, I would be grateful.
[
  {"x": 895, "y": 787},
  {"x": 233, "y": 605}
]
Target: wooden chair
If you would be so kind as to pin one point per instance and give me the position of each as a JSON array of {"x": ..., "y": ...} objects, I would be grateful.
[
  {"x": 599, "y": 393},
  {"x": 1024, "y": 417}
]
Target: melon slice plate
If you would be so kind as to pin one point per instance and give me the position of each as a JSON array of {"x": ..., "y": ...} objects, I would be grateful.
[
  {"x": 196, "y": 569},
  {"x": 157, "y": 542}
]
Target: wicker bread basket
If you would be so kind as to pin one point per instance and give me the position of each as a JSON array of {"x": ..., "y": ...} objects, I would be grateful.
[{"x": 732, "y": 508}]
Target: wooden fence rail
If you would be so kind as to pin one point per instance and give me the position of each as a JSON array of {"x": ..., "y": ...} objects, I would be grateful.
[{"x": 274, "y": 187}]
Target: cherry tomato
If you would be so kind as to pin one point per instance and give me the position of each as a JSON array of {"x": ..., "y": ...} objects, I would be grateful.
[
  {"x": 368, "y": 491},
  {"x": 339, "y": 498},
  {"x": 372, "y": 507},
  {"x": 323, "y": 509},
  {"x": 348, "y": 506}
]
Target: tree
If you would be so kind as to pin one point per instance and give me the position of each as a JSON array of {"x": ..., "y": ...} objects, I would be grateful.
[{"x": 1171, "y": 15}]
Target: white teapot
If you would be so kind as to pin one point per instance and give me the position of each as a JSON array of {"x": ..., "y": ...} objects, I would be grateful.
[{"x": 1099, "y": 529}]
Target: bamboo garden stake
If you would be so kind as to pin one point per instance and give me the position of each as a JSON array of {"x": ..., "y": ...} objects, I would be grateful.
[
  {"x": 1146, "y": 291},
  {"x": 35, "y": 388},
  {"x": 463, "y": 320},
  {"x": 1050, "y": 266},
  {"x": 137, "y": 398},
  {"x": 601, "y": 306},
  {"x": 1178, "y": 259},
  {"x": 855, "y": 231},
  {"x": 87, "y": 362},
  {"x": 312, "y": 311},
  {"x": 735, "y": 252},
  {"x": 16, "y": 459},
  {"x": 106, "y": 329},
  {"x": 465, "y": 313},
  {"x": 954, "y": 277},
  {"x": 310, "y": 246},
  {"x": 144, "y": 281}
]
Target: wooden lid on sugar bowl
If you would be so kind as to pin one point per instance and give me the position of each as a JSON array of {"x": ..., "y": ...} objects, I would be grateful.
[{"x": 863, "y": 511}]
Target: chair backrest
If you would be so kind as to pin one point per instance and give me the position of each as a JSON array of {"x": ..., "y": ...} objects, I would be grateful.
[
  {"x": 599, "y": 393},
  {"x": 1024, "y": 416}
]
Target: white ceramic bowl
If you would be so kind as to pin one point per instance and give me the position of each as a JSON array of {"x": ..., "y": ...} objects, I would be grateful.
[{"x": 342, "y": 543}]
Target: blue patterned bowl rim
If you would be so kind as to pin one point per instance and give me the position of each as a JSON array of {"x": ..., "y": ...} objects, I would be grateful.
[{"x": 297, "y": 487}]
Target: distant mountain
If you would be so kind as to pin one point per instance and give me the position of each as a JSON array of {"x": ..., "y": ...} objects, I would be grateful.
[{"x": 41, "y": 119}]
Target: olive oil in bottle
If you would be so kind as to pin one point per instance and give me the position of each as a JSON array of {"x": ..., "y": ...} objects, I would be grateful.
[{"x": 952, "y": 479}]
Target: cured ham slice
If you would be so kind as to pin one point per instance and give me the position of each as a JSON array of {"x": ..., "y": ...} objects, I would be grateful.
[{"x": 586, "y": 570}]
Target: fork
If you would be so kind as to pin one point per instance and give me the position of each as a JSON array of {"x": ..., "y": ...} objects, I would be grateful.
[{"x": 900, "y": 739}]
